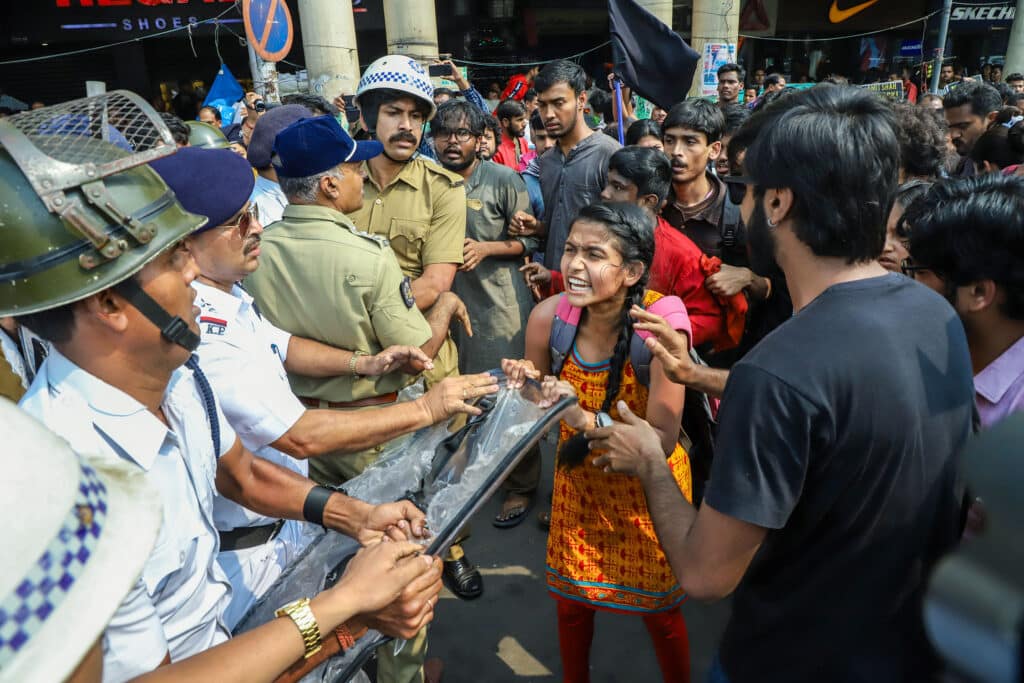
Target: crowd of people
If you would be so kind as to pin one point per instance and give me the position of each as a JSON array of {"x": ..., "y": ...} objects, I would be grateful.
[{"x": 783, "y": 314}]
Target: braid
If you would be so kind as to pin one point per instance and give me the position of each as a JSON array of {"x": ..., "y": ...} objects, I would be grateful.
[{"x": 634, "y": 297}]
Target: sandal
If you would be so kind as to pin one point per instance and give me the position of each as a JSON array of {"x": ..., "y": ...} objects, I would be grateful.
[{"x": 514, "y": 515}]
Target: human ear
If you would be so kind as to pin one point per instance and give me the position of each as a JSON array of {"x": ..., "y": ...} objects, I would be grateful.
[{"x": 108, "y": 309}]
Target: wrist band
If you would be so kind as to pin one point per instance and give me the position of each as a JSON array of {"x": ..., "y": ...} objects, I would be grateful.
[
  {"x": 316, "y": 501},
  {"x": 352, "y": 363}
]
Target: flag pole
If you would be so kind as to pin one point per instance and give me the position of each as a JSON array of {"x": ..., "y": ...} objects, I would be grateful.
[{"x": 622, "y": 111}]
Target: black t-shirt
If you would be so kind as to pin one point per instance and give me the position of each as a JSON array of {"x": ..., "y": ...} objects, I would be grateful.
[{"x": 838, "y": 433}]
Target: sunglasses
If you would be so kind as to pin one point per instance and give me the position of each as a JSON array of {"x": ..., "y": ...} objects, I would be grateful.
[{"x": 250, "y": 216}]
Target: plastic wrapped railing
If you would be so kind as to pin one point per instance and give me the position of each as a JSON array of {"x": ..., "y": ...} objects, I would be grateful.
[{"x": 449, "y": 475}]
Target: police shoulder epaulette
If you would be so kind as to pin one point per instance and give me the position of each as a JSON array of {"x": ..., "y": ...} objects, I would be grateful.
[
  {"x": 382, "y": 241},
  {"x": 454, "y": 179}
]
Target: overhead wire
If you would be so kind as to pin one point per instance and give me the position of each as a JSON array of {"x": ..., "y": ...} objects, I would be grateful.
[{"x": 835, "y": 38}]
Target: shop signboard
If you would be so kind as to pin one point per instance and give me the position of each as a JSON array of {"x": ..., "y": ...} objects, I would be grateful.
[
  {"x": 996, "y": 13},
  {"x": 715, "y": 55},
  {"x": 892, "y": 90}
]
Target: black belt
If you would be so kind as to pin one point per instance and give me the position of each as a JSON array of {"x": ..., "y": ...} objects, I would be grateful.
[{"x": 249, "y": 536}]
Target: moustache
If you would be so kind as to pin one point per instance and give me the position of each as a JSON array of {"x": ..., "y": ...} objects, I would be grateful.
[
  {"x": 403, "y": 137},
  {"x": 252, "y": 243},
  {"x": 452, "y": 149}
]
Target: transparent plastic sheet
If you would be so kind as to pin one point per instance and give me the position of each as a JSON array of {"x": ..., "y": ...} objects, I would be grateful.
[{"x": 450, "y": 476}]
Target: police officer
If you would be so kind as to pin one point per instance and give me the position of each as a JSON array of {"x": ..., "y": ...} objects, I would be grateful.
[
  {"x": 245, "y": 358},
  {"x": 112, "y": 295}
]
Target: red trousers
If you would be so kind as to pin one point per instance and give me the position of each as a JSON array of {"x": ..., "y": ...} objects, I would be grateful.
[{"x": 576, "y": 633}]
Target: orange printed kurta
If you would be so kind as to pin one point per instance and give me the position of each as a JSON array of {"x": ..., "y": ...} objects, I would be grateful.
[{"x": 602, "y": 549}]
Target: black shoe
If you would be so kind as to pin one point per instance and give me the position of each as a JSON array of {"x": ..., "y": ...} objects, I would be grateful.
[{"x": 463, "y": 579}]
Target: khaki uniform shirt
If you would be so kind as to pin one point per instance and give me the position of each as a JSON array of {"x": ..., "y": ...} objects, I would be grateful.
[
  {"x": 422, "y": 212},
  {"x": 322, "y": 279}
]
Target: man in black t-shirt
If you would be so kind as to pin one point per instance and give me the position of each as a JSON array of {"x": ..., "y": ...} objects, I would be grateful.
[{"x": 834, "y": 486}]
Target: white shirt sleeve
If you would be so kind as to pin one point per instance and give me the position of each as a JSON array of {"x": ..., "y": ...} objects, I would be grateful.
[
  {"x": 279, "y": 338},
  {"x": 134, "y": 642}
]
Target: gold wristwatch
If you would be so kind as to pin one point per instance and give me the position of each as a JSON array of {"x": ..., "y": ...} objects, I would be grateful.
[{"x": 302, "y": 615}]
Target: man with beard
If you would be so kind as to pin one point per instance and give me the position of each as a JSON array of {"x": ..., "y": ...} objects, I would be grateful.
[
  {"x": 573, "y": 174},
  {"x": 970, "y": 109},
  {"x": 967, "y": 243},
  {"x": 496, "y": 296},
  {"x": 246, "y": 359},
  {"x": 834, "y": 487},
  {"x": 512, "y": 117}
]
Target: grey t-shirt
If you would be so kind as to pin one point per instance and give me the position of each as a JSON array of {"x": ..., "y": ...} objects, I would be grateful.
[
  {"x": 570, "y": 183},
  {"x": 838, "y": 433}
]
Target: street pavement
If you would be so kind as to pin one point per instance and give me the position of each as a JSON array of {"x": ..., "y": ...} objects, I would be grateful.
[{"x": 510, "y": 633}]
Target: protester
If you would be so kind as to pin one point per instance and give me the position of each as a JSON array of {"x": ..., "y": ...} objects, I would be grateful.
[
  {"x": 179, "y": 131},
  {"x": 730, "y": 80},
  {"x": 931, "y": 101},
  {"x": 820, "y": 492},
  {"x": 210, "y": 115},
  {"x": 774, "y": 82},
  {"x": 496, "y": 297},
  {"x": 644, "y": 133},
  {"x": 442, "y": 95},
  {"x": 542, "y": 142},
  {"x": 1016, "y": 81},
  {"x": 969, "y": 109},
  {"x": 511, "y": 114},
  {"x": 267, "y": 195},
  {"x": 315, "y": 103},
  {"x": 491, "y": 139},
  {"x": 922, "y": 133},
  {"x": 255, "y": 107},
  {"x": 519, "y": 85},
  {"x": 897, "y": 234},
  {"x": 658, "y": 115},
  {"x": 967, "y": 243},
  {"x": 946, "y": 75},
  {"x": 734, "y": 117},
  {"x": 1002, "y": 145},
  {"x": 602, "y": 555},
  {"x": 759, "y": 77}
]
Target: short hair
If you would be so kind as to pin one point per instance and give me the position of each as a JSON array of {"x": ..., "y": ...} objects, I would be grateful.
[
  {"x": 536, "y": 122},
  {"x": 726, "y": 68},
  {"x": 645, "y": 167},
  {"x": 212, "y": 110},
  {"x": 315, "y": 103},
  {"x": 928, "y": 97},
  {"x": 601, "y": 102},
  {"x": 734, "y": 115},
  {"x": 56, "y": 325},
  {"x": 921, "y": 132},
  {"x": 773, "y": 79},
  {"x": 971, "y": 229},
  {"x": 179, "y": 131},
  {"x": 1003, "y": 143},
  {"x": 453, "y": 112},
  {"x": 491, "y": 124},
  {"x": 1016, "y": 100},
  {"x": 530, "y": 95},
  {"x": 836, "y": 149},
  {"x": 696, "y": 114},
  {"x": 444, "y": 91},
  {"x": 981, "y": 97},
  {"x": 509, "y": 109},
  {"x": 307, "y": 188},
  {"x": 561, "y": 71},
  {"x": 1015, "y": 76},
  {"x": 640, "y": 129},
  {"x": 1005, "y": 90}
]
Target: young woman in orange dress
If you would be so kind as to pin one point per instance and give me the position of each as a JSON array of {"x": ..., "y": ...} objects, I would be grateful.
[{"x": 602, "y": 551}]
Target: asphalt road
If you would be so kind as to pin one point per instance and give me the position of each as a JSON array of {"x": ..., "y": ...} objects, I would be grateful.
[{"x": 510, "y": 633}]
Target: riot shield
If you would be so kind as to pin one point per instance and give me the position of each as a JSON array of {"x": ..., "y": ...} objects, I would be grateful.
[{"x": 447, "y": 475}]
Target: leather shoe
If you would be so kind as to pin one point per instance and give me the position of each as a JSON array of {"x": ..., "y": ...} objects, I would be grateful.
[{"x": 463, "y": 579}]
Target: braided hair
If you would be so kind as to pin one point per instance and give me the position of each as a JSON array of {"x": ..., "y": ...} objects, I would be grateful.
[{"x": 632, "y": 229}]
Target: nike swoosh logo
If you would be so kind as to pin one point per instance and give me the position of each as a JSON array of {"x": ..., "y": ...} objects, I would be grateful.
[{"x": 838, "y": 16}]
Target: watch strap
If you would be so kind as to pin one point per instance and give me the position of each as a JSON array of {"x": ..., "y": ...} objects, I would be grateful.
[{"x": 303, "y": 618}]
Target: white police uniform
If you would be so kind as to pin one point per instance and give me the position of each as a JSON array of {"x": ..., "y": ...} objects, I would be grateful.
[
  {"x": 178, "y": 604},
  {"x": 243, "y": 356}
]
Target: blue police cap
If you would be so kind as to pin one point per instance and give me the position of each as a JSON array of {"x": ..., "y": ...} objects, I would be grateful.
[
  {"x": 215, "y": 183},
  {"x": 318, "y": 144},
  {"x": 269, "y": 125}
]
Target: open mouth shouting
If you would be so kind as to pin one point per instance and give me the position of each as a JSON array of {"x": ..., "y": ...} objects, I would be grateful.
[{"x": 577, "y": 286}]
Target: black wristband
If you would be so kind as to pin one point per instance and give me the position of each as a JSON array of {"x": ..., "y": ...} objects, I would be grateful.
[{"x": 316, "y": 501}]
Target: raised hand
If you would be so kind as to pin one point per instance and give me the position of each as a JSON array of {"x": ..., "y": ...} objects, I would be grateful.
[{"x": 452, "y": 395}]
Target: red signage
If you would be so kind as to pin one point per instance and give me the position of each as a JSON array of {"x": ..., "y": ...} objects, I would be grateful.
[{"x": 128, "y": 3}]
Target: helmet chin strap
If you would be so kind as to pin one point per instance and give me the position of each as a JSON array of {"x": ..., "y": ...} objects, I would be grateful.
[{"x": 172, "y": 328}]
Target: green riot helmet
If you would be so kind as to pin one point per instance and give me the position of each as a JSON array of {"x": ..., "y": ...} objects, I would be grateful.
[
  {"x": 79, "y": 209},
  {"x": 206, "y": 136}
]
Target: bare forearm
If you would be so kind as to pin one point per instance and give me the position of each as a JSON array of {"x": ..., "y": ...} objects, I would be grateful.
[
  {"x": 312, "y": 359},
  {"x": 325, "y": 431},
  {"x": 505, "y": 249},
  {"x": 759, "y": 288},
  {"x": 439, "y": 319},
  {"x": 672, "y": 514},
  {"x": 710, "y": 381}
]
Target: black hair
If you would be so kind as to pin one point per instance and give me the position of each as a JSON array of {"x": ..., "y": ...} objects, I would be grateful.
[
  {"x": 836, "y": 149},
  {"x": 1004, "y": 90},
  {"x": 1003, "y": 143},
  {"x": 56, "y": 325},
  {"x": 530, "y": 95},
  {"x": 632, "y": 229},
  {"x": 509, "y": 109},
  {"x": 906, "y": 194},
  {"x": 928, "y": 97},
  {"x": 982, "y": 98},
  {"x": 836, "y": 79},
  {"x": 491, "y": 123},
  {"x": 561, "y": 71},
  {"x": 1015, "y": 76},
  {"x": 971, "y": 229},
  {"x": 726, "y": 68},
  {"x": 645, "y": 167},
  {"x": 371, "y": 102},
  {"x": 640, "y": 129},
  {"x": 734, "y": 115},
  {"x": 1016, "y": 100},
  {"x": 536, "y": 122},
  {"x": 921, "y": 132},
  {"x": 179, "y": 131},
  {"x": 213, "y": 110},
  {"x": 600, "y": 102},
  {"x": 444, "y": 91},
  {"x": 315, "y": 103},
  {"x": 452, "y": 113},
  {"x": 696, "y": 114},
  {"x": 772, "y": 79}
]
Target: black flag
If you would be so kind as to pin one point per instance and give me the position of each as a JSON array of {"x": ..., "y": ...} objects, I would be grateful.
[{"x": 649, "y": 56}]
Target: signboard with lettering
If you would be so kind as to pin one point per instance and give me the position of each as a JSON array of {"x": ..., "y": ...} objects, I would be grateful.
[
  {"x": 892, "y": 90},
  {"x": 993, "y": 14},
  {"x": 715, "y": 55}
]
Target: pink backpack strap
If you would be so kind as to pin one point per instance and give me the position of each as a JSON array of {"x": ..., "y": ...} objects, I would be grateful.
[
  {"x": 568, "y": 313},
  {"x": 672, "y": 309}
]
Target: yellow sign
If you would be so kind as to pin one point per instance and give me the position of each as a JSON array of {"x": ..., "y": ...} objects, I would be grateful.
[{"x": 838, "y": 16}]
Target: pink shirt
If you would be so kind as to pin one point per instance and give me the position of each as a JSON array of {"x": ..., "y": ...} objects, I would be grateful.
[{"x": 999, "y": 388}]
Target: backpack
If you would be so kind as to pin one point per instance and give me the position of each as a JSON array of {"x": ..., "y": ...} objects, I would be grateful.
[{"x": 698, "y": 423}]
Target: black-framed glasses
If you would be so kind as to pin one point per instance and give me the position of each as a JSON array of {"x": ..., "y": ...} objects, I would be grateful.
[
  {"x": 250, "y": 215},
  {"x": 910, "y": 269},
  {"x": 461, "y": 134}
]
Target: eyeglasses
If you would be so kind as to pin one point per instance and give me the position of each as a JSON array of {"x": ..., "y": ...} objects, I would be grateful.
[
  {"x": 250, "y": 215},
  {"x": 910, "y": 270},
  {"x": 461, "y": 134}
]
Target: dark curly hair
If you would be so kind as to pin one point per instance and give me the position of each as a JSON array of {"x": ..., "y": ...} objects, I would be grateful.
[{"x": 921, "y": 133}]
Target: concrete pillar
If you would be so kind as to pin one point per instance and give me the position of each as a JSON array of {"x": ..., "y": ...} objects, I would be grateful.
[
  {"x": 659, "y": 8},
  {"x": 264, "y": 77},
  {"x": 329, "y": 46},
  {"x": 411, "y": 29},
  {"x": 714, "y": 21},
  {"x": 1015, "y": 49}
]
